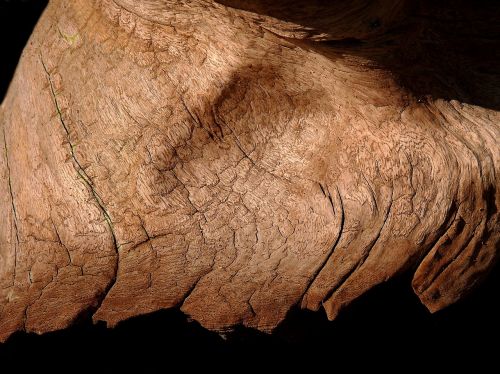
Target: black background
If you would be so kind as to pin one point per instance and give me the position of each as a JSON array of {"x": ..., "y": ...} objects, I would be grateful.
[{"x": 384, "y": 326}]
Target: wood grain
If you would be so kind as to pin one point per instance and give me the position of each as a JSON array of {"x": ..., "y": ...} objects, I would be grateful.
[{"x": 236, "y": 159}]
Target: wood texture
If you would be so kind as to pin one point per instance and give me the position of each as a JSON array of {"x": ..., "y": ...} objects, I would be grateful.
[{"x": 236, "y": 159}]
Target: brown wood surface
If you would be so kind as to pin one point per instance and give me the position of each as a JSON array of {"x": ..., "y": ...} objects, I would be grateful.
[{"x": 236, "y": 159}]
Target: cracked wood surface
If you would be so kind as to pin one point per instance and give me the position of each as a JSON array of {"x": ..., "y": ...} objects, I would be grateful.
[{"x": 217, "y": 158}]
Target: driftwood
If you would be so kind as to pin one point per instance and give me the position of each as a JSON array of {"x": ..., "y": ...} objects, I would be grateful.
[{"x": 239, "y": 158}]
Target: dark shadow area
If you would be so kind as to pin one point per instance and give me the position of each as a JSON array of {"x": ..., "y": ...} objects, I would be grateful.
[
  {"x": 328, "y": 19},
  {"x": 447, "y": 49},
  {"x": 385, "y": 325},
  {"x": 440, "y": 49}
]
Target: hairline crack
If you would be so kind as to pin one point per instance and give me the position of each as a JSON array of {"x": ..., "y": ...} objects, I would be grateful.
[
  {"x": 90, "y": 186},
  {"x": 13, "y": 204}
]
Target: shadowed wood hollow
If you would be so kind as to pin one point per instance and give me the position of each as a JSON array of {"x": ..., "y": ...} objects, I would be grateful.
[{"x": 235, "y": 159}]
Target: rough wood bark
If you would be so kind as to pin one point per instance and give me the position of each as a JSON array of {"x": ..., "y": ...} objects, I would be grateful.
[{"x": 236, "y": 159}]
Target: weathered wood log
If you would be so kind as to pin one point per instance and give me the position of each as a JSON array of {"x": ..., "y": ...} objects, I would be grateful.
[{"x": 238, "y": 158}]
